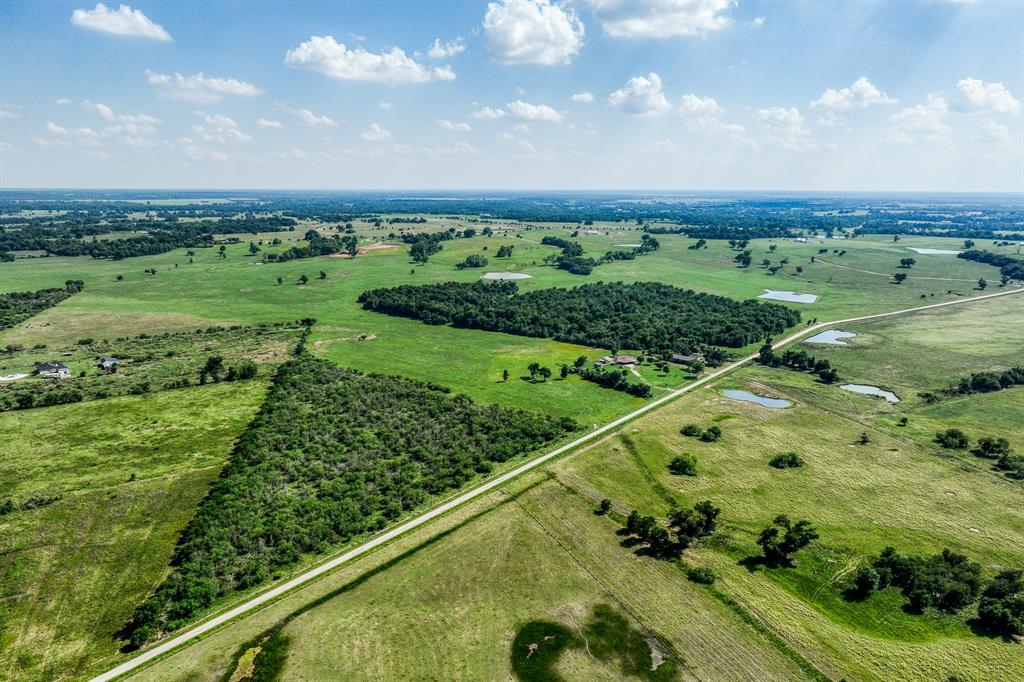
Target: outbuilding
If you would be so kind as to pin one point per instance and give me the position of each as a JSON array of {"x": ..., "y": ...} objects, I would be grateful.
[{"x": 53, "y": 370}]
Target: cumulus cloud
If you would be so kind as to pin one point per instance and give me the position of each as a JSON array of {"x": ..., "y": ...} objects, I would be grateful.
[
  {"x": 831, "y": 120},
  {"x": 125, "y": 21},
  {"x": 267, "y": 123},
  {"x": 125, "y": 124},
  {"x": 489, "y": 114},
  {"x": 9, "y": 110},
  {"x": 641, "y": 97},
  {"x": 525, "y": 111},
  {"x": 85, "y": 137},
  {"x": 323, "y": 54},
  {"x": 532, "y": 32},
  {"x": 441, "y": 50},
  {"x": 63, "y": 101},
  {"x": 860, "y": 95},
  {"x": 197, "y": 152},
  {"x": 308, "y": 118},
  {"x": 992, "y": 132},
  {"x": 924, "y": 122},
  {"x": 662, "y": 18},
  {"x": 976, "y": 95},
  {"x": 703, "y": 115},
  {"x": 784, "y": 128},
  {"x": 585, "y": 97},
  {"x": 457, "y": 127},
  {"x": 219, "y": 129},
  {"x": 384, "y": 105},
  {"x": 375, "y": 133},
  {"x": 199, "y": 88}
]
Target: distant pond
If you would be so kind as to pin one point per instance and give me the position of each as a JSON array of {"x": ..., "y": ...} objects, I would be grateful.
[
  {"x": 763, "y": 401},
  {"x": 832, "y": 337},
  {"x": 934, "y": 252},
  {"x": 505, "y": 275},
  {"x": 788, "y": 296},
  {"x": 871, "y": 390}
]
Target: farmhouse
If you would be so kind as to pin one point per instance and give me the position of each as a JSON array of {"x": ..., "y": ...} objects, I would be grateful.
[
  {"x": 621, "y": 360},
  {"x": 107, "y": 363},
  {"x": 53, "y": 370}
]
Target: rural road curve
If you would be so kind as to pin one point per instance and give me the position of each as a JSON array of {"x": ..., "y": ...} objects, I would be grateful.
[{"x": 482, "y": 489}]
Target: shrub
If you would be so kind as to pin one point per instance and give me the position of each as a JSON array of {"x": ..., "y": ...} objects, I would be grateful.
[
  {"x": 954, "y": 439},
  {"x": 692, "y": 430},
  {"x": 711, "y": 434},
  {"x": 786, "y": 460},
  {"x": 702, "y": 575},
  {"x": 683, "y": 465}
]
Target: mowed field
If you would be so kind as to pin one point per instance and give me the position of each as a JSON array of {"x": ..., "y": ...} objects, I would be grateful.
[
  {"x": 129, "y": 472},
  {"x": 239, "y": 290},
  {"x": 454, "y": 596}
]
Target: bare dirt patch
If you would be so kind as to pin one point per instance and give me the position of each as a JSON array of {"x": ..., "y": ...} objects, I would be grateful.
[{"x": 363, "y": 250}]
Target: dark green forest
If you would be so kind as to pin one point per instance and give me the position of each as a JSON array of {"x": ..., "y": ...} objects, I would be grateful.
[
  {"x": 333, "y": 453},
  {"x": 643, "y": 315}
]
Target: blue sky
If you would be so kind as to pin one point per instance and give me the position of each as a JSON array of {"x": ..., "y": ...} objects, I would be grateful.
[{"x": 515, "y": 94}]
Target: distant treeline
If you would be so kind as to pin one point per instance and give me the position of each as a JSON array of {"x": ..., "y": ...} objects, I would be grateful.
[
  {"x": 332, "y": 454},
  {"x": 572, "y": 259},
  {"x": 639, "y": 316},
  {"x": 18, "y": 306},
  {"x": 1009, "y": 267}
]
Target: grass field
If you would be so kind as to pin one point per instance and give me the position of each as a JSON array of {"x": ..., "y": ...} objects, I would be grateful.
[
  {"x": 428, "y": 612},
  {"x": 129, "y": 472}
]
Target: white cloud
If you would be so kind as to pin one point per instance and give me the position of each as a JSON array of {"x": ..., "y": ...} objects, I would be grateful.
[
  {"x": 662, "y": 18},
  {"x": 521, "y": 128},
  {"x": 992, "y": 132},
  {"x": 375, "y": 133},
  {"x": 831, "y": 120},
  {"x": 457, "y": 127},
  {"x": 55, "y": 129},
  {"x": 641, "y": 96},
  {"x": 525, "y": 111},
  {"x": 384, "y": 105},
  {"x": 308, "y": 118},
  {"x": 441, "y": 50},
  {"x": 86, "y": 137},
  {"x": 585, "y": 97},
  {"x": 123, "y": 22},
  {"x": 127, "y": 124},
  {"x": 757, "y": 21},
  {"x": 199, "y": 153},
  {"x": 62, "y": 102},
  {"x": 978, "y": 96},
  {"x": 266, "y": 123},
  {"x": 323, "y": 54},
  {"x": 199, "y": 88},
  {"x": 9, "y": 110},
  {"x": 703, "y": 115},
  {"x": 222, "y": 129},
  {"x": 489, "y": 114},
  {"x": 860, "y": 95},
  {"x": 532, "y": 32},
  {"x": 784, "y": 128},
  {"x": 923, "y": 122}
]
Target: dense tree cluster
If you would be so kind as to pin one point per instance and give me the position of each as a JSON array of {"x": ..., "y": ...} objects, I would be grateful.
[
  {"x": 607, "y": 315},
  {"x": 1009, "y": 267},
  {"x": 786, "y": 460},
  {"x": 945, "y": 581},
  {"x": 572, "y": 259},
  {"x": 988, "y": 382},
  {"x": 687, "y": 525},
  {"x": 616, "y": 379},
  {"x": 997, "y": 449},
  {"x": 18, "y": 306},
  {"x": 798, "y": 360},
  {"x": 317, "y": 245},
  {"x": 782, "y": 539},
  {"x": 472, "y": 261},
  {"x": 332, "y": 453}
]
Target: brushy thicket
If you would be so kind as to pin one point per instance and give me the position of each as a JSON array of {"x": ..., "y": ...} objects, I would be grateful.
[
  {"x": 333, "y": 453},
  {"x": 643, "y": 315},
  {"x": 18, "y": 306}
]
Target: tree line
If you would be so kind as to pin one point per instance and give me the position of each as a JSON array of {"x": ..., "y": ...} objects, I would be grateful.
[
  {"x": 642, "y": 315},
  {"x": 1009, "y": 267},
  {"x": 316, "y": 245},
  {"x": 18, "y": 306},
  {"x": 332, "y": 454}
]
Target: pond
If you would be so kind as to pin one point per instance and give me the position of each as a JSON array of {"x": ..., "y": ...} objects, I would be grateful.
[
  {"x": 832, "y": 337},
  {"x": 763, "y": 401},
  {"x": 505, "y": 275},
  {"x": 789, "y": 296},
  {"x": 629, "y": 246},
  {"x": 935, "y": 252},
  {"x": 889, "y": 396}
]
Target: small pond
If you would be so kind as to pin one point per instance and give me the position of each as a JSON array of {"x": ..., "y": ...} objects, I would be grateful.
[
  {"x": 763, "y": 401},
  {"x": 832, "y": 337},
  {"x": 935, "y": 252},
  {"x": 789, "y": 296},
  {"x": 871, "y": 390},
  {"x": 629, "y": 246},
  {"x": 505, "y": 275}
]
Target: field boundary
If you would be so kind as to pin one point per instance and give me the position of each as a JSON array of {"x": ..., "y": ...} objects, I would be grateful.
[{"x": 216, "y": 621}]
